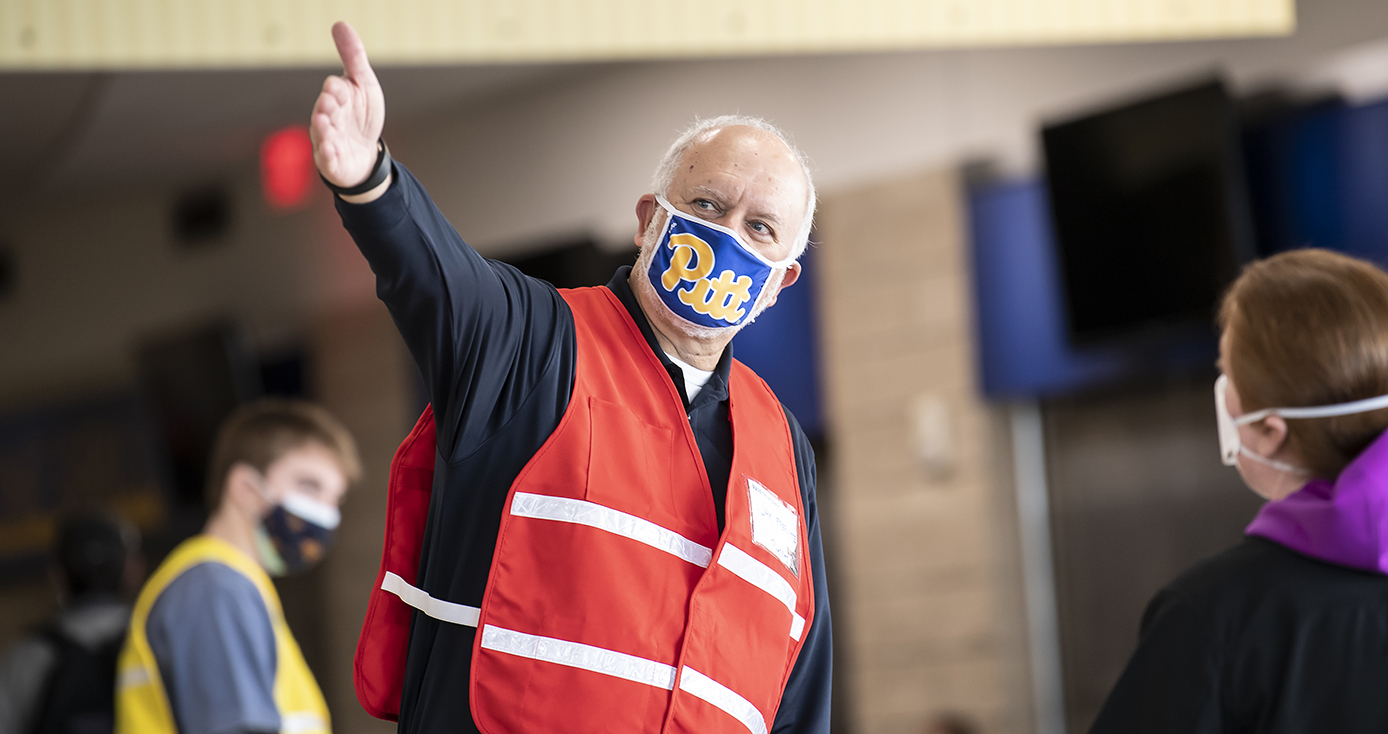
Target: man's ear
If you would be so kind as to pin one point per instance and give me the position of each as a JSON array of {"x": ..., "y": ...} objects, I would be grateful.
[
  {"x": 792, "y": 275},
  {"x": 645, "y": 212}
]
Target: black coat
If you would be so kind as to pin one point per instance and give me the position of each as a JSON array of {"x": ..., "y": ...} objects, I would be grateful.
[{"x": 1258, "y": 639}]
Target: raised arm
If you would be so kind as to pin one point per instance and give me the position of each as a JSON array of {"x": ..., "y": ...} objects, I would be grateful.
[
  {"x": 481, "y": 333},
  {"x": 347, "y": 119}
]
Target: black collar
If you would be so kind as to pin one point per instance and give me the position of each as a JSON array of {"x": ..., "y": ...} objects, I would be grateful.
[{"x": 717, "y": 388}]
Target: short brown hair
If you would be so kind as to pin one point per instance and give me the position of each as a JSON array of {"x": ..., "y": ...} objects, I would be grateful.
[
  {"x": 260, "y": 432},
  {"x": 1310, "y": 327}
]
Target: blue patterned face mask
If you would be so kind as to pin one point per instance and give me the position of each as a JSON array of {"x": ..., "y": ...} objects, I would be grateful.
[
  {"x": 296, "y": 534},
  {"x": 705, "y": 273}
]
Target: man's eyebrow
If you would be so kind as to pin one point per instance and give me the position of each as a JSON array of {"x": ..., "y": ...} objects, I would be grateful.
[
  {"x": 770, "y": 217},
  {"x": 712, "y": 193},
  {"x": 709, "y": 192}
]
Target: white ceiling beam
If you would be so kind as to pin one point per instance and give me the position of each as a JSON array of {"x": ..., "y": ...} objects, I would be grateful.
[{"x": 172, "y": 34}]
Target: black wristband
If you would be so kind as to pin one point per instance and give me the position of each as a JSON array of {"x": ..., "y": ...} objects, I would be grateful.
[{"x": 378, "y": 174}]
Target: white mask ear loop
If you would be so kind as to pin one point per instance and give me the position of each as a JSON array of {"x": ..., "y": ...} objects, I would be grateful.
[
  {"x": 1274, "y": 463},
  {"x": 1318, "y": 411},
  {"x": 1230, "y": 445},
  {"x": 261, "y": 484}
]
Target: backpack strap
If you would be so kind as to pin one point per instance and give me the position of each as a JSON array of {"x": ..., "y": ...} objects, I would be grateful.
[
  {"x": 52, "y": 636},
  {"x": 79, "y": 688}
]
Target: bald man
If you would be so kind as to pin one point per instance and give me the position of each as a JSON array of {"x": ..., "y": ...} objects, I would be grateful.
[{"x": 622, "y": 533}]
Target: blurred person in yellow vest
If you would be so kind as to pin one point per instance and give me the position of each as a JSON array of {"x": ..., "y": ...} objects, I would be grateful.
[{"x": 208, "y": 649}]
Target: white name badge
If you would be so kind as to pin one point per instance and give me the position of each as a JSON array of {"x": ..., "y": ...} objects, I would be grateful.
[{"x": 775, "y": 526}]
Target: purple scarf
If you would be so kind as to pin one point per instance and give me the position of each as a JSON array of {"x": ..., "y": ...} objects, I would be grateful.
[{"x": 1344, "y": 522}]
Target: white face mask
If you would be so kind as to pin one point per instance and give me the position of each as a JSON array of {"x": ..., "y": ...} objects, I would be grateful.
[{"x": 1230, "y": 446}]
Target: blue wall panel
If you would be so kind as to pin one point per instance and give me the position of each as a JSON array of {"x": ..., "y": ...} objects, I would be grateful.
[
  {"x": 1020, "y": 315},
  {"x": 781, "y": 346}
]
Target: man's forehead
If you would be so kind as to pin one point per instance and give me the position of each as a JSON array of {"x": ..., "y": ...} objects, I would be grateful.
[
  {"x": 741, "y": 156},
  {"x": 747, "y": 145}
]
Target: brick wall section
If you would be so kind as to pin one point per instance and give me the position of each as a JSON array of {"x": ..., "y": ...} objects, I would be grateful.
[
  {"x": 362, "y": 373},
  {"x": 928, "y": 565}
]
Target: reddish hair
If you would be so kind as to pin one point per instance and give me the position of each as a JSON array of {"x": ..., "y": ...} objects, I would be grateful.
[{"x": 1310, "y": 327}]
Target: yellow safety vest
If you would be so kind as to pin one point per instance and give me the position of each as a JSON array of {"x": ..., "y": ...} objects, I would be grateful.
[{"x": 142, "y": 703}]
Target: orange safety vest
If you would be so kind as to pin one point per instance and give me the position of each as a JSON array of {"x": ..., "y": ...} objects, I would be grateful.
[{"x": 612, "y": 604}]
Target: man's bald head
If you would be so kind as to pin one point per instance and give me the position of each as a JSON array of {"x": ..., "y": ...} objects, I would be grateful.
[{"x": 748, "y": 137}]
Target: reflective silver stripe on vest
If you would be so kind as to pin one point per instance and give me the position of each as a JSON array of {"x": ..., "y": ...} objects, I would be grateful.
[
  {"x": 580, "y": 512},
  {"x": 439, "y": 609},
  {"x": 302, "y": 723},
  {"x": 701, "y": 686},
  {"x": 622, "y": 665},
  {"x": 765, "y": 578},
  {"x": 131, "y": 677},
  {"x": 578, "y": 655}
]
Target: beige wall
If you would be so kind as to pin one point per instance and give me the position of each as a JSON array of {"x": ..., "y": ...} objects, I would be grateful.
[
  {"x": 929, "y": 567},
  {"x": 362, "y": 372},
  {"x": 99, "y": 271}
]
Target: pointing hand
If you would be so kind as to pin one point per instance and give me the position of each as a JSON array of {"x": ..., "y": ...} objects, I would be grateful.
[{"x": 348, "y": 116}]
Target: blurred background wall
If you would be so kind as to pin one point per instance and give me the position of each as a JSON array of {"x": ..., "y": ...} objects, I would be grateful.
[{"x": 132, "y": 213}]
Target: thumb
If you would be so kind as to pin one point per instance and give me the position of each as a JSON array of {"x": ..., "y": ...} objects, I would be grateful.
[{"x": 353, "y": 54}]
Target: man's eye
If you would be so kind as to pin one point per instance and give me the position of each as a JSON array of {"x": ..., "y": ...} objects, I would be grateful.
[
  {"x": 759, "y": 227},
  {"x": 704, "y": 204}
]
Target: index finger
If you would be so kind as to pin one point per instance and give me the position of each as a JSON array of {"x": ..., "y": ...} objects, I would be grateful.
[{"x": 353, "y": 53}]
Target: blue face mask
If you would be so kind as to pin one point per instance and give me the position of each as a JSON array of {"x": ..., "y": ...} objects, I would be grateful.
[
  {"x": 705, "y": 273},
  {"x": 296, "y": 534}
]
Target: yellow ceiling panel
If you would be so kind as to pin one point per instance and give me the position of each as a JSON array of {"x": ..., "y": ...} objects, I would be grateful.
[{"x": 85, "y": 34}]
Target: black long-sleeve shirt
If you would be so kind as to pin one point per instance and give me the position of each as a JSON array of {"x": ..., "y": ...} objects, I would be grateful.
[
  {"x": 1258, "y": 639},
  {"x": 497, "y": 351}
]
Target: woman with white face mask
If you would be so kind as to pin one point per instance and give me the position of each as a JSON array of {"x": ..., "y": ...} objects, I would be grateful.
[{"x": 1288, "y": 631}]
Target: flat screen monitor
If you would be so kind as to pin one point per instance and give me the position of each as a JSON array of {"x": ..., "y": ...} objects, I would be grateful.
[{"x": 1150, "y": 214}]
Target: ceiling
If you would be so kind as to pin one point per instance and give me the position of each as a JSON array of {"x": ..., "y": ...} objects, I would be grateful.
[
  {"x": 124, "y": 34},
  {"x": 66, "y": 132}
]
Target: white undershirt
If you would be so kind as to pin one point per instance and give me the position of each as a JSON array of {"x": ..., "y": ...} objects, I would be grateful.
[{"x": 694, "y": 378}]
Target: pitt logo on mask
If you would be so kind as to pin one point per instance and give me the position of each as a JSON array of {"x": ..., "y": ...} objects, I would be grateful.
[{"x": 683, "y": 271}]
